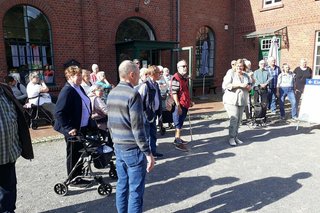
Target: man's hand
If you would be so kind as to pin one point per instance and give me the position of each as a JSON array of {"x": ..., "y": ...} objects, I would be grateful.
[
  {"x": 179, "y": 109},
  {"x": 150, "y": 164},
  {"x": 73, "y": 132}
]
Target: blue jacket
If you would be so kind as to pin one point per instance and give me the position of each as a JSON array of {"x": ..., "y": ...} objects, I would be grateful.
[{"x": 68, "y": 110}]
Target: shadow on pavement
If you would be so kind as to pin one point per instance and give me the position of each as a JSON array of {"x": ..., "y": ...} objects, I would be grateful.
[
  {"x": 170, "y": 192},
  {"x": 251, "y": 196}
]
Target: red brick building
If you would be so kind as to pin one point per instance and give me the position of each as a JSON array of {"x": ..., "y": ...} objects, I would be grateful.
[
  {"x": 44, "y": 35},
  {"x": 295, "y": 23}
]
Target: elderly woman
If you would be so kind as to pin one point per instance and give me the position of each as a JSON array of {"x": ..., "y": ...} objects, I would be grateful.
[
  {"x": 73, "y": 110},
  {"x": 104, "y": 83},
  {"x": 99, "y": 109},
  {"x": 86, "y": 83},
  {"x": 236, "y": 85},
  {"x": 38, "y": 94},
  {"x": 285, "y": 88}
]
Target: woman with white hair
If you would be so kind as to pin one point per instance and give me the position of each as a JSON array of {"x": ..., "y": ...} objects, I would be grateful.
[
  {"x": 93, "y": 75},
  {"x": 104, "y": 83},
  {"x": 143, "y": 75},
  {"x": 99, "y": 109},
  {"x": 37, "y": 92}
]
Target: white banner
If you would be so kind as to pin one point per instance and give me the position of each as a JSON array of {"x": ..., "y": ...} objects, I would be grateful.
[{"x": 310, "y": 104}]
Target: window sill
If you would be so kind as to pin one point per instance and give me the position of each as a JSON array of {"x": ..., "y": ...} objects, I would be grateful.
[{"x": 273, "y": 7}]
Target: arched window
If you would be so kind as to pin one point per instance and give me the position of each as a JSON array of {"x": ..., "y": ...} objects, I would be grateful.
[
  {"x": 205, "y": 52},
  {"x": 134, "y": 29},
  {"x": 28, "y": 43}
]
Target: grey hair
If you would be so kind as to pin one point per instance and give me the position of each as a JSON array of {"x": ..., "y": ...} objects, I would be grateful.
[
  {"x": 33, "y": 75},
  {"x": 126, "y": 67},
  {"x": 179, "y": 62}
]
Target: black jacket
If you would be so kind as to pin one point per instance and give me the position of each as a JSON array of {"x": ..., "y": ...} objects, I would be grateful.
[
  {"x": 68, "y": 110},
  {"x": 23, "y": 129}
]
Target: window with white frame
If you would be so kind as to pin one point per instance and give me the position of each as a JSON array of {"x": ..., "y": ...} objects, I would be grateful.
[
  {"x": 316, "y": 66},
  {"x": 266, "y": 43},
  {"x": 268, "y": 3}
]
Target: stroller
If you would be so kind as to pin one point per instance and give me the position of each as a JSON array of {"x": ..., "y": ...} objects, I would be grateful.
[
  {"x": 95, "y": 152},
  {"x": 259, "y": 106},
  {"x": 36, "y": 114}
]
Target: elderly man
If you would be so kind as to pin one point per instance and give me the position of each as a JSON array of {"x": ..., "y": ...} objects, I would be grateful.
[
  {"x": 14, "y": 141},
  {"x": 262, "y": 78},
  {"x": 274, "y": 72},
  {"x": 181, "y": 97},
  {"x": 125, "y": 122},
  {"x": 151, "y": 97},
  {"x": 301, "y": 74}
]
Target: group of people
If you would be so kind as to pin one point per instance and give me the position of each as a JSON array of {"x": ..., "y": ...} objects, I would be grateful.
[
  {"x": 129, "y": 113},
  {"x": 269, "y": 84}
]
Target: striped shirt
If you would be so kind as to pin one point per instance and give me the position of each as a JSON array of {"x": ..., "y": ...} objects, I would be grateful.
[
  {"x": 125, "y": 118},
  {"x": 10, "y": 148}
]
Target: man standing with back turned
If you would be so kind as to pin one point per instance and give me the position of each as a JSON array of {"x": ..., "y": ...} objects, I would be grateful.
[
  {"x": 14, "y": 141},
  {"x": 133, "y": 156}
]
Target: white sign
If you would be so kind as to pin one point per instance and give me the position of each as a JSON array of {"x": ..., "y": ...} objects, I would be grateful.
[{"x": 310, "y": 104}]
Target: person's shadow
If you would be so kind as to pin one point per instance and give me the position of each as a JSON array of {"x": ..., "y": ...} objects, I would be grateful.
[
  {"x": 251, "y": 196},
  {"x": 180, "y": 189}
]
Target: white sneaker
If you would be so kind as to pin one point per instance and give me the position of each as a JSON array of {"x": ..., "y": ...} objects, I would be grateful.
[
  {"x": 238, "y": 141},
  {"x": 232, "y": 142}
]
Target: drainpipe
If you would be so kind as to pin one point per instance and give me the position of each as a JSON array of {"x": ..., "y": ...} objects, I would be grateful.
[{"x": 178, "y": 23}]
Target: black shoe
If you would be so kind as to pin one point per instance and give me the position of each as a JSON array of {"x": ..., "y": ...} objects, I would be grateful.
[
  {"x": 178, "y": 141},
  {"x": 181, "y": 147},
  {"x": 157, "y": 155}
]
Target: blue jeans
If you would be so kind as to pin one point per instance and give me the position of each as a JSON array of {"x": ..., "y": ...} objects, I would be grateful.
[
  {"x": 131, "y": 169},
  {"x": 151, "y": 133},
  {"x": 272, "y": 98},
  {"x": 179, "y": 119},
  {"x": 288, "y": 91}
]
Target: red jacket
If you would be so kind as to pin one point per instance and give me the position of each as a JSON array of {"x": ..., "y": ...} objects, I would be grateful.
[{"x": 183, "y": 94}]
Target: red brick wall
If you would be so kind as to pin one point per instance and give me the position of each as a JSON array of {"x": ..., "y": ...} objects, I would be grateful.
[
  {"x": 85, "y": 30},
  {"x": 300, "y": 17},
  {"x": 214, "y": 14}
]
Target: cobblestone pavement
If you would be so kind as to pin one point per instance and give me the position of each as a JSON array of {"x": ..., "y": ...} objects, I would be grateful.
[{"x": 275, "y": 170}]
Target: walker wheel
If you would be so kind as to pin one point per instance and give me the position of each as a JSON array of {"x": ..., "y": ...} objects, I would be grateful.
[
  {"x": 104, "y": 189},
  {"x": 113, "y": 174},
  {"x": 34, "y": 125},
  {"x": 61, "y": 189}
]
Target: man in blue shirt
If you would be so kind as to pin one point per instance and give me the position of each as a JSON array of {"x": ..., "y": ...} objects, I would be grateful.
[
  {"x": 274, "y": 72},
  {"x": 133, "y": 155}
]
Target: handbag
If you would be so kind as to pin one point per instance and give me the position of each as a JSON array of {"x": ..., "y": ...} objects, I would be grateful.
[{"x": 92, "y": 124}]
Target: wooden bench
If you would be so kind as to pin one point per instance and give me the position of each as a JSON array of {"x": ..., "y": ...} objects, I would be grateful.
[{"x": 198, "y": 84}]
